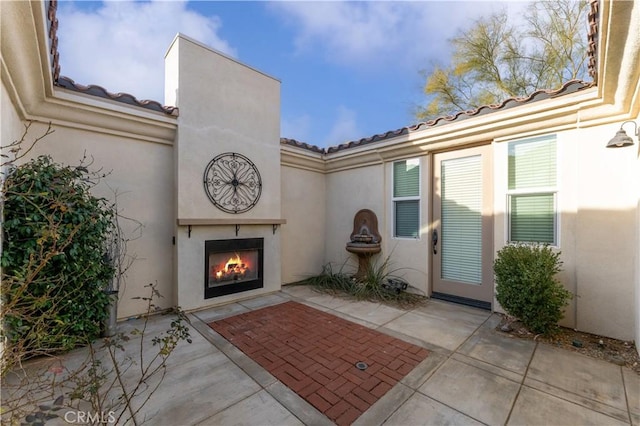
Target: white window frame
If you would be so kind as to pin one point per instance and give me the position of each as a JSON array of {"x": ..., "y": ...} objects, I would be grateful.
[
  {"x": 417, "y": 198},
  {"x": 542, "y": 190}
]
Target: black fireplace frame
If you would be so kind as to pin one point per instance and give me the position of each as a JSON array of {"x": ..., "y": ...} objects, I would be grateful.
[{"x": 233, "y": 245}]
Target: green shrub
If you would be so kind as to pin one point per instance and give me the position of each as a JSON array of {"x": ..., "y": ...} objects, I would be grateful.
[
  {"x": 526, "y": 286},
  {"x": 54, "y": 268}
]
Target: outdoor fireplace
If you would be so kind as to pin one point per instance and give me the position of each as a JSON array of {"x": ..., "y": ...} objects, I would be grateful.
[{"x": 232, "y": 266}]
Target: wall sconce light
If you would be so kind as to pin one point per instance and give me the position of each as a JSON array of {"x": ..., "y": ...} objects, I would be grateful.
[{"x": 621, "y": 138}]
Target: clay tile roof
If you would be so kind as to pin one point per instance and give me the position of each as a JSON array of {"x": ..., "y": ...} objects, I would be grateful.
[
  {"x": 303, "y": 145},
  {"x": 592, "y": 39},
  {"x": 569, "y": 87},
  {"x": 67, "y": 83},
  {"x": 94, "y": 90},
  {"x": 52, "y": 24}
]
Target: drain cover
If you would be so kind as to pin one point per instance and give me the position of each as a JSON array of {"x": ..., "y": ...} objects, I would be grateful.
[{"x": 361, "y": 365}]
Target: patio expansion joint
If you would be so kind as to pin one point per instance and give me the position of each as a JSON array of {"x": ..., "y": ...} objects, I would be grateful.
[
  {"x": 353, "y": 319},
  {"x": 626, "y": 397},
  {"x": 380, "y": 412},
  {"x": 579, "y": 400},
  {"x": 203, "y": 421},
  {"x": 453, "y": 408},
  {"x": 565, "y": 395},
  {"x": 477, "y": 329},
  {"x": 453, "y": 355},
  {"x": 524, "y": 376}
]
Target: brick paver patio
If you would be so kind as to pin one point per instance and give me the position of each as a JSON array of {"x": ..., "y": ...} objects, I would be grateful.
[{"x": 315, "y": 354}]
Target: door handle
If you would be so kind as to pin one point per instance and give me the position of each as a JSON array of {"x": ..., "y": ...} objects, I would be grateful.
[{"x": 434, "y": 240}]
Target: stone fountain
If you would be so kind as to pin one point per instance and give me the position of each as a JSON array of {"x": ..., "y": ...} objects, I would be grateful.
[{"x": 365, "y": 239}]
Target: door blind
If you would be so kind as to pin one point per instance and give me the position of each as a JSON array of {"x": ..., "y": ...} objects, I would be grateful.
[{"x": 461, "y": 218}]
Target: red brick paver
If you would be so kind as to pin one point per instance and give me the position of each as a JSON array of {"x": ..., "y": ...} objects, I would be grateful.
[{"x": 314, "y": 354}]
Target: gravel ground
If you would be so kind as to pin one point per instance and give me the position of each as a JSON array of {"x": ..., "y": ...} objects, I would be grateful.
[{"x": 619, "y": 352}]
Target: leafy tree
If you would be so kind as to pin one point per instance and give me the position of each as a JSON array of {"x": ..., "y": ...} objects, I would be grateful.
[{"x": 495, "y": 60}]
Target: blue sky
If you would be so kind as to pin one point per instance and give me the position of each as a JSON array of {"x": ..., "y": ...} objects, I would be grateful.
[{"x": 348, "y": 70}]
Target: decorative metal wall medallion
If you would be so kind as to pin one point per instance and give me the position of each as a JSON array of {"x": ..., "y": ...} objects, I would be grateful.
[{"x": 232, "y": 183}]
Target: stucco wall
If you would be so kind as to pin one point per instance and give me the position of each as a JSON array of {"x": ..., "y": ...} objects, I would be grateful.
[
  {"x": 303, "y": 236},
  {"x": 637, "y": 261},
  {"x": 605, "y": 234},
  {"x": 190, "y": 268},
  {"x": 225, "y": 107},
  {"x": 136, "y": 172},
  {"x": 599, "y": 188},
  {"x": 409, "y": 257},
  {"x": 349, "y": 191},
  {"x": 11, "y": 127},
  {"x": 596, "y": 228}
]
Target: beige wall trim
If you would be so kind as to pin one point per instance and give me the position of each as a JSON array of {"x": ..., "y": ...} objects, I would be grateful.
[
  {"x": 366, "y": 159},
  {"x": 301, "y": 158},
  {"x": 619, "y": 56}
]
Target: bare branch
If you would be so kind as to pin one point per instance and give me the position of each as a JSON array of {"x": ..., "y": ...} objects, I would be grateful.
[{"x": 17, "y": 149}]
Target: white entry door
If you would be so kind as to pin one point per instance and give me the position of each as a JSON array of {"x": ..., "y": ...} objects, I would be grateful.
[{"x": 462, "y": 233}]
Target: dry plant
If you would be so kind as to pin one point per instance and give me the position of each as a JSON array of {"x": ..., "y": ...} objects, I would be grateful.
[
  {"x": 106, "y": 380},
  {"x": 379, "y": 283},
  {"x": 18, "y": 149},
  {"x": 109, "y": 381}
]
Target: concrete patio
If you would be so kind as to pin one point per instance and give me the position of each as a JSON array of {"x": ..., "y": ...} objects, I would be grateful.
[{"x": 473, "y": 374}]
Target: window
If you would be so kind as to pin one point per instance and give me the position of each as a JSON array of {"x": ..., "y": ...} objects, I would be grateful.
[
  {"x": 532, "y": 191},
  {"x": 406, "y": 198}
]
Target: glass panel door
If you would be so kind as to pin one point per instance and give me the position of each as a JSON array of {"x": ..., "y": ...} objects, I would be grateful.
[
  {"x": 461, "y": 219},
  {"x": 462, "y": 226}
]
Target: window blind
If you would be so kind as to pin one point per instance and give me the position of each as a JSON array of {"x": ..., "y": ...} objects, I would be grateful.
[
  {"x": 406, "y": 179},
  {"x": 406, "y": 203},
  {"x": 533, "y": 218},
  {"x": 407, "y": 216},
  {"x": 532, "y": 164},
  {"x": 532, "y": 182}
]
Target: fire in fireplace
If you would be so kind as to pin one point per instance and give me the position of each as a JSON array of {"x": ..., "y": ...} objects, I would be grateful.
[
  {"x": 237, "y": 268},
  {"x": 232, "y": 266}
]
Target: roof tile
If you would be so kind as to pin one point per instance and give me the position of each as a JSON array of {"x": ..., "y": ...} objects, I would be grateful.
[
  {"x": 67, "y": 83},
  {"x": 94, "y": 90},
  {"x": 571, "y": 86}
]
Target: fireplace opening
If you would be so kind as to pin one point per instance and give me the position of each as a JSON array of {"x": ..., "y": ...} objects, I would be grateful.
[{"x": 232, "y": 266}]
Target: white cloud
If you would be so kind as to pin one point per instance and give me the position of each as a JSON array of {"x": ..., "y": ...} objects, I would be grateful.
[
  {"x": 344, "y": 129},
  {"x": 297, "y": 128},
  {"x": 382, "y": 33},
  {"x": 121, "y": 44}
]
